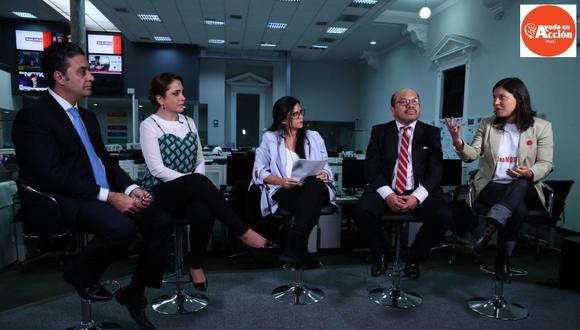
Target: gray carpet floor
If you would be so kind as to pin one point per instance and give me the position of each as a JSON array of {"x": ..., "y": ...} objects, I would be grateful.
[{"x": 242, "y": 300}]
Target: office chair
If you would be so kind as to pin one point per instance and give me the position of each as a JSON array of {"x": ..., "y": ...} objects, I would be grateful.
[
  {"x": 43, "y": 232},
  {"x": 35, "y": 202},
  {"x": 558, "y": 194}
]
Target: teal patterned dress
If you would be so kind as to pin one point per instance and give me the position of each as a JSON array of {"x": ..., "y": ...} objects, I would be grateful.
[{"x": 178, "y": 154}]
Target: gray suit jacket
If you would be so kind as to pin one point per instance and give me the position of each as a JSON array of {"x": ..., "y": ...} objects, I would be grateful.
[{"x": 535, "y": 151}]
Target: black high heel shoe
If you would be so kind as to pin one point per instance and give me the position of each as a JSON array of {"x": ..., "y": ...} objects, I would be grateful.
[{"x": 201, "y": 286}]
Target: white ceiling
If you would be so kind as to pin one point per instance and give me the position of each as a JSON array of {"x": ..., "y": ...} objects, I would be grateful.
[{"x": 183, "y": 21}]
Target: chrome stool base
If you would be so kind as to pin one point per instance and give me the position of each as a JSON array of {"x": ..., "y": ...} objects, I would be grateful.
[
  {"x": 180, "y": 303},
  {"x": 497, "y": 308},
  {"x": 395, "y": 298},
  {"x": 297, "y": 294}
]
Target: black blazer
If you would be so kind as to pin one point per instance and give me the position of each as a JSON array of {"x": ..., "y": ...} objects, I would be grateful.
[
  {"x": 52, "y": 157},
  {"x": 382, "y": 153}
]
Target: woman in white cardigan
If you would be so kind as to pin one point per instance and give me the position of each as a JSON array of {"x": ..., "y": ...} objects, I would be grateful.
[{"x": 285, "y": 142}]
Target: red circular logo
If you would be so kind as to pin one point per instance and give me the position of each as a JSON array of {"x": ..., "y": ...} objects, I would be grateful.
[{"x": 548, "y": 30}]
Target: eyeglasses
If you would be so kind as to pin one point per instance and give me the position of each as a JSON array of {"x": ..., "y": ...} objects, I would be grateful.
[
  {"x": 501, "y": 98},
  {"x": 407, "y": 102},
  {"x": 297, "y": 114}
]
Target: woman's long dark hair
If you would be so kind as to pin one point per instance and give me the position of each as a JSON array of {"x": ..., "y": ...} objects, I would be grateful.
[
  {"x": 282, "y": 111},
  {"x": 524, "y": 113}
]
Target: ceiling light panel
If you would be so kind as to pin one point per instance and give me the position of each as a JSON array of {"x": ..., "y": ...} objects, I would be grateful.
[
  {"x": 212, "y": 21},
  {"x": 336, "y": 30},
  {"x": 216, "y": 41},
  {"x": 149, "y": 17},
  {"x": 318, "y": 47},
  {"x": 268, "y": 44},
  {"x": 23, "y": 14},
  {"x": 158, "y": 38},
  {"x": 276, "y": 25}
]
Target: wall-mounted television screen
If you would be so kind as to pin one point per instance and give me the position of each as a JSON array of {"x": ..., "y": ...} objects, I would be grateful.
[
  {"x": 111, "y": 64},
  {"x": 29, "y": 48},
  {"x": 104, "y": 44},
  {"x": 31, "y": 81}
]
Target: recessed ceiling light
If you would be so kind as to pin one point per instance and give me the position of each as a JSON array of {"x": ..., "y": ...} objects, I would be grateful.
[
  {"x": 23, "y": 14},
  {"x": 149, "y": 17},
  {"x": 373, "y": 42},
  {"x": 216, "y": 41},
  {"x": 140, "y": 106},
  {"x": 157, "y": 38},
  {"x": 336, "y": 30},
  {"x": 318, "y": 47},
  {"x": 425, "y": 12},
  {"x": 268, "y": 44},
  {"x": 275, "y": 25},
  {"x": 213, "y": 21},
  {"x": 95, "y": 104},
  {"x": 290, "y": 0}
]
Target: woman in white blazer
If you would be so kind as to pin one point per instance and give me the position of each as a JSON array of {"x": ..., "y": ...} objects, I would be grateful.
[
  {"x": 285, "y": 142},
  {"x": 517, "y": 150}
]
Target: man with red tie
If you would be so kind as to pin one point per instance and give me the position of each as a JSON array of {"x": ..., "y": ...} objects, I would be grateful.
[{"x": 403, "y": 169}]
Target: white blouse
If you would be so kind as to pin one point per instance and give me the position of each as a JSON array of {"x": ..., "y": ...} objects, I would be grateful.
[{"x": 150, "y": 133}]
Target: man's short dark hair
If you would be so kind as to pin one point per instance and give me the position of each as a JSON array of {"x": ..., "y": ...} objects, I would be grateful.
[{"x": 56, "y": 58}]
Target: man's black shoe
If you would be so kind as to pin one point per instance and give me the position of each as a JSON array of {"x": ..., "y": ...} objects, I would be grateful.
[
  {"x": 482, "y": 240},
  {"x": 94, "y": 292},
  {"x": 412, "y": 269},
  {"x": 136, "y": 307},
  {"x": 379, "y": 266}
]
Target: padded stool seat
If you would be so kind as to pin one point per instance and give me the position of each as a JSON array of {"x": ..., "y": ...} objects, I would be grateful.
[
  {"x": 394, "y": 296},
  {"x": 180, "y": 302}
]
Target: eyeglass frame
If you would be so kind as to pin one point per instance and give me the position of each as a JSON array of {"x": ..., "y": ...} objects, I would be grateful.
[
  {"x": 406, "y": 102},
  {"x": 296, "y": 115}
]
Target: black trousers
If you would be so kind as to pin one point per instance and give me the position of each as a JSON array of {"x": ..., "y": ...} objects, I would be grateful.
[
  {"x": 434, "y": 212},
  {"x": 113, "y": 231},
  {"x": 516, "y": 196},
  {"x": 304, "y": 202},
  {"x": 195, "y": 197}
]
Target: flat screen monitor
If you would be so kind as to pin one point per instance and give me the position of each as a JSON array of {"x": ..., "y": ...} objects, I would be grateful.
[
  {"x": 452, "y": 172},
  {"x": 29, "y": 48},
  {"x": 109, "y": 64},
  {"x": 104, "y": 44},
  {"x": 31, "y": 81},
  {"x": 353, "y": 173}
]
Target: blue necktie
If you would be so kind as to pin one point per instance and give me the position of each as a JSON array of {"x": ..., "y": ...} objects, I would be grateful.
[{"x": 98, "y": 170}]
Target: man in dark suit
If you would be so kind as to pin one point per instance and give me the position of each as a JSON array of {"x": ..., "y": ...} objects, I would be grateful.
[
  {"x": 60, "y": 152},
  {"x": 403, "y": 168}
]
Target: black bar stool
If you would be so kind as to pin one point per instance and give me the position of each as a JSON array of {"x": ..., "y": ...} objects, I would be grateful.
[
  {"x": 394, "y": 296},
  {"x": 87, "y": 321},
  {"x": 180, "y": 302},
  {"x": 297, "y": 293},
  {"x": 497, "y": 306}
]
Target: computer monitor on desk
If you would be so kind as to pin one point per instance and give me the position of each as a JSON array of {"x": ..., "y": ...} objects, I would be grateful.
[{"x": 353, "y": 176}]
